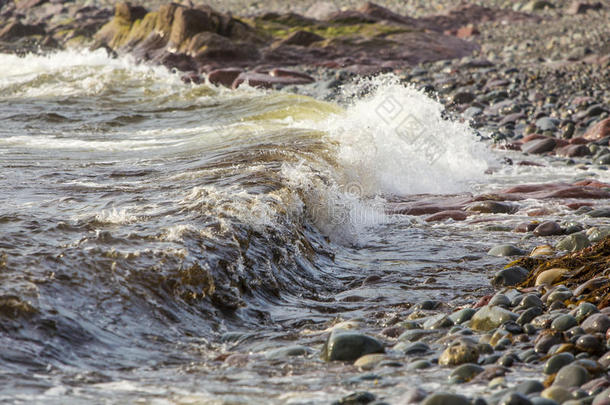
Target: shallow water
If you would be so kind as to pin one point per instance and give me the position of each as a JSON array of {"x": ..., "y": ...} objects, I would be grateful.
[{"x": 152, "y": 228}]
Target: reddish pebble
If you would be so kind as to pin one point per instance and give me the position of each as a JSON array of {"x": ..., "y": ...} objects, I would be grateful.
[
  {"x": 483, "y": 301},
  {"x": 451, "y": 214}
]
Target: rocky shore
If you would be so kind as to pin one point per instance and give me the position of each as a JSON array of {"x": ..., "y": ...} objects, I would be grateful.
[{"x": 532, "y": 77}]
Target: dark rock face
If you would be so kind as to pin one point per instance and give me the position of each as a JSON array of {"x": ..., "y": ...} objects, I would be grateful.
[{"x": 18, "y": 30}]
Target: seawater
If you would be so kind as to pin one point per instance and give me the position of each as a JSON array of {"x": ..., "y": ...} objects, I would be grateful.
[{"x": 149, "y": 229}]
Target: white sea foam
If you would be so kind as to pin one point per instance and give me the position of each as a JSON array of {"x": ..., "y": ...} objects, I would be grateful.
[
  {"x": 72, "y": 73},
  {"x": 114, "y": 216},
  {"x": 394, "y": 141}
]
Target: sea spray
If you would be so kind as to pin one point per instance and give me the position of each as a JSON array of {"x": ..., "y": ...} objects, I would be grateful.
[{"x": 394, "y": 140}]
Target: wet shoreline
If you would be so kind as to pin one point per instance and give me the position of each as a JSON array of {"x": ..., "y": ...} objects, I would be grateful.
[{"x": 329, "y": 317}]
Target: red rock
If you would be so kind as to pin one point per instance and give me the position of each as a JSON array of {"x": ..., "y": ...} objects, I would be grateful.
[
  {"x": 577, "y": 205},
  {"x": 453, "y": 214},
  {"x": 573, "y": 151},
  {"x": 483, "y": 301},
  {"x": 540, "y": 146},
  {"x": 190, "y": 21},
  {"x": 561, "y": 142},
  {"x": 467, "y": 31},
  {"x": 291, "y": 73},
  {"x": 224, "y": 77},
  {"x": 179, "y": 61},
  {"x": 532, "y": 137},
  {"x": 191, "y": 78},
  {"x": 430, "y": 205},
  {"x": 538, "y": 212},
  {"x": 581, "y": 190},
  {"x": 330, "y": 64},
  {"x": 578, "y": 141},
  {"x": 592, "y": 183},
  {"x": 548, "y": 228},
  {"x": 511, "y": 146},
  {"x": 266, "y": 81},
  {"x": 598, "y": 131}
]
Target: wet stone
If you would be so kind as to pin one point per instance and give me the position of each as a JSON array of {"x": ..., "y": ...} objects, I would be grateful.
[
  {"x": 492, "y": 207},
  {"x": 412, "y": 348},
  {"x": 512, "y": 327},
  {"x": 505, "y": 250},
  {"x": 547, "y": 124},
  {"x": 356, "y": 398},
  {"x": 465, "y": 373},
  {"x": 574, "y": 242},
  {"x": 419, "y": 365},
  {"x": 529, "y": 387},
  {"x": 539, "y": 146},
  {"x": 543, "y": 401},
  {"x": 459, "y": 353},
  {"x": 556, "y": 362},
  {"x": 442, "y": 398},
  {"x": 427, "y": 305},
  {"x": 438, "y": 322},
  {"x": 515, "y": 398},
  {"x": 369, "y": 361},
  {"x": 349, "y": 346},
  {"x": 571, "y": 375},
  {"x": 507, "y": 360},
  {"x": 548, "y": 228},
  {"x": 602, "y": 398},
  {"x": 462, "y": 315},
  {"x": 605, "y": 360},
  {"x": 557, "y": 394},
  {"x": 596, "y": 323},
  {"x": 531, "y": 301},
  {"x": 564, "y": 322},
  {"x": 488, "y": 318},
  {"x": 500, "y": 300},
  {"x": 589, "y": 344},
  {"x": 415, "y": 334},
  {"x": 574, "y": 332},
  {"x": 509, "y": 277},
  {"x": 583, "y": 310},
  {"x": 491, "y": 359},
  {"x": 546, "y": 342},
  {"x": 290, "y": 351},
  {"x": 559, "y": 295}
]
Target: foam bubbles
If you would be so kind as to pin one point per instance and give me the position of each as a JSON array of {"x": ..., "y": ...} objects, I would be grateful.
[{"x": 393, "y": 140}]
